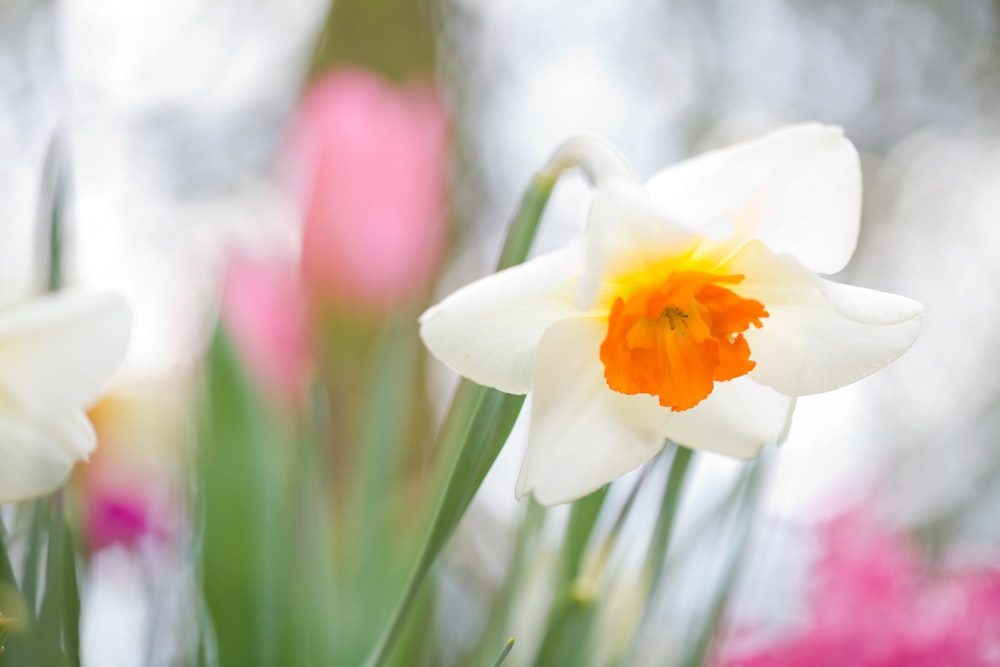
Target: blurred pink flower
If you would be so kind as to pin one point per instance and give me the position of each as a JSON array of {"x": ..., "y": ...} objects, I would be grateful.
[
  {"x": 875, "y": 604},
  {"x": 117, "y": 518},
  {"x": 264, "y": 312},
  {"x": 369, "y": 163},
  {"x": 131, "y": 492}
]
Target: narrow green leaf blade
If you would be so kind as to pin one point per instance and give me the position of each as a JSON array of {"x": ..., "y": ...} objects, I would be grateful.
[
  {"x": 568, "y": 640},
  {"x": 582, "y": 519},
  {"x": 508, "y": 647},
  {"x": 244, "y": 530},
  {"x": 481, "y": 429},
  {"x": 668, "y": 513}
]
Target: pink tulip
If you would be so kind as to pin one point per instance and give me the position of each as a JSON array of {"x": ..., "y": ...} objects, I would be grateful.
[
  {"x": 369, "y": 162},
  {"x": 876, "y": 604},
  {"x": 264, "y": 312}
]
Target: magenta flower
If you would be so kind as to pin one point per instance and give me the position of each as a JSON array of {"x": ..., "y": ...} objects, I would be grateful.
[
  {"x": 877, "y": 604},
  {"x": 117, "y": 518},
  {"x": 369, "y": 163}
]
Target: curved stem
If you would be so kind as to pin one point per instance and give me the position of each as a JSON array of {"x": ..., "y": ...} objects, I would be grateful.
[{"x": 601, "y": 162}]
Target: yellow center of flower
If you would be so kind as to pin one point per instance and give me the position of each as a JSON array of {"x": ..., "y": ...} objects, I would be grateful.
[{"x": 678, "y": 336}]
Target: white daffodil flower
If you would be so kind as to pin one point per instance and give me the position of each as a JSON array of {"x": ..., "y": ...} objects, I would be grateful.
[
  {"x": 689, "y": 309},
  {"x": 56, "y": 353}
]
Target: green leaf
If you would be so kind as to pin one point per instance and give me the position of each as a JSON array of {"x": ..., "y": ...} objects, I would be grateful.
[
  {"x": 504, "y": 653},
  {"x": 6, "y": 569},
  {"x": 383, "y": 434},
  {"x": 570, "y": 632},
  {"x": 582, "y": 518},
  {"x": 245, "y": 532},
  {"x": 71, "y": 597},
  {"x": 488, "y": 428},
  {"x": 524, "y": 226},
  {"x": 60, "y": 599},
  {"x": 744, "y": 506},
  {"x": 318, "y": 598},
  {"x": 656, "y": 556},
  {"x": 480, "y": 421},
  {"x": 40, "y": 510},
  {"x": 668, "y": 513},
  {"x": 571, "y": 620},
  {"x": 53, "y": 638},
  {"x": 15, "y": 617},
  {"x": 528, "y": 533}
]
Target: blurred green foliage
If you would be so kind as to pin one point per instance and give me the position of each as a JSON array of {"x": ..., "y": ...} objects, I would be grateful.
[
  {"x": 393, "y": 37},
  {"x": 43, "y": 617}
]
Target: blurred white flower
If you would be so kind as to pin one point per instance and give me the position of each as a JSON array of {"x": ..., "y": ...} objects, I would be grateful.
[
  {"x": 689, "y": 310},
  {"x": 56, "y": 354}
]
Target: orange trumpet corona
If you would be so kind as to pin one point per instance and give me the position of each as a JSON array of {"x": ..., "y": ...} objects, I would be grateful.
[{"x": 674, "y": 339}]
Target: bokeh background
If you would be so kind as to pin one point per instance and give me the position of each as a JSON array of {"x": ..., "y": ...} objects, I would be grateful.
[{"x": 312, "y": 176}]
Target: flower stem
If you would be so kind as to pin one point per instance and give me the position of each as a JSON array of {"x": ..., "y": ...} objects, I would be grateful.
[
  {"x": 570, "y": 627},
  {"x": 481, "y": 421},
  {"x": 668, "y": 513},
  {"x": 6, "y": 568},
  {"x": 523, "y": 228},
  {"x": 601, "y": 162},
  {"x": 680, "y": 464},
  {"x": 745, "y": 502}
]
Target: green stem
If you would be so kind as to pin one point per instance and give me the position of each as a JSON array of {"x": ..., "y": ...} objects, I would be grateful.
[
  {"x": 6, "y": 568},
  {"x": 660, "y": 543},
  {"x": 594, "y": 566},
  {"x": 50, "y": 223},
  {"x": 482, "y": 433},
  {"x": 571, "y": 622},
  {"x": 668, "y": 513},
  {"x": 498, "y": 623},
  {"x": 71, "y": 597},
  {"x": 526, "y": 221},
  {"x": 582, "y": 519},
  {"x": 392, "y": 378},
  {"x": 55, "y": 276},
  {"x": 41, "y": 510},
  {"x": 745, "y": 504},
  {"x": 569, "y": 639}
]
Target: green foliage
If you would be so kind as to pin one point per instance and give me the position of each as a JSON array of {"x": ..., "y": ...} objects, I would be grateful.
[
  {"x": 46, "y": 631},
  {"x": 393, "y": 37},
  {"x": 478, "y": 424},
  {"x": 246, "y": 543},
  {"x": 293, "y": 572}
]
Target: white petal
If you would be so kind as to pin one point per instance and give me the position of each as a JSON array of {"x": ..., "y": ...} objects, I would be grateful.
[
  {"x": 739, "y": 418},
  {"x": 627, "y": 233},
  {"x": 582, "y": 434},
  {"x": 797, "y": 189},
  {"x": 819, "y": 335},
  {"x": 488, "y": 330},
  {"x": 58, "y": 351},
  {"x": 38, "y": 456}
]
